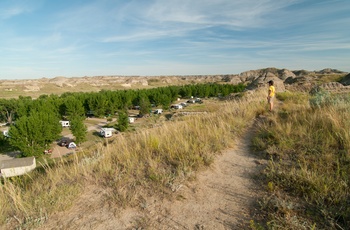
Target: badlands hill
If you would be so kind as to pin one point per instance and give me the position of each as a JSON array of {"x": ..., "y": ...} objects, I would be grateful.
[{"x": 285, "y": 79}]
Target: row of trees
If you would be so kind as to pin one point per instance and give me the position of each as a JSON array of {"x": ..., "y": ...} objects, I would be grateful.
[{"x": 37, "y": 121}]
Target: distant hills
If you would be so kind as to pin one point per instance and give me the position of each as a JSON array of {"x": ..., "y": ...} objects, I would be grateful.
[{"x": 283, "y": 78}]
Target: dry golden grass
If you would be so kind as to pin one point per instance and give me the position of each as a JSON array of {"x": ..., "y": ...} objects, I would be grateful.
[
  {"x": 169, "y": 153},
  {"x": 50, "y": 188}
]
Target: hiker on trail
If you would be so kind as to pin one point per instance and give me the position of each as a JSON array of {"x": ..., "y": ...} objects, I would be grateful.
[{"x": 271, "y": 94}]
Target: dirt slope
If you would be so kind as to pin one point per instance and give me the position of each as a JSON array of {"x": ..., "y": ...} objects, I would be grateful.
[{"x": 222, "y": 197}]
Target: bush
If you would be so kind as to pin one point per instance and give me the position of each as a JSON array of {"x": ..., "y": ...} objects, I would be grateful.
[
  {"x": 322, "y": 98},
  {"x": 123, "y": 121}
]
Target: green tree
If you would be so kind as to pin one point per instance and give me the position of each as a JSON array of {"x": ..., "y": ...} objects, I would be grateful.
[
  {"x": 123, "y": 121},
  {"x": 78, "y": 129},
  {"x": 24, "y": 106},
  {"x": 73, "y": 107},
  {"x": 98, "y": 103},
  {"x": 145, "y": 105},
  {"x": 114, "y": 101},
  {"x": 8, "y": 109},
  {"x": 127, "y": 98},
  {"x": 165, "y": 101},
  {"x": 33, "y": 134}
]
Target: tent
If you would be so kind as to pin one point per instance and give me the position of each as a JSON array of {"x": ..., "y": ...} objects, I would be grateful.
[{"x": 72, "y": 145}]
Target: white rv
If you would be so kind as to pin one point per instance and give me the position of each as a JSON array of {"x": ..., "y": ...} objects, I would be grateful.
[
  {"x": 65, "y": 123},
  {"x": 158, "y": 111},
  {"x": 107, "y": 132}
]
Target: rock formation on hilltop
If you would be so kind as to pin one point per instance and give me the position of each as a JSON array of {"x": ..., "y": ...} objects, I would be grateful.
[
  {"x": 260, "y": 78},
  {"x": 329, "y": 71},
  {"x": 283, "y": 78},
  {"x": 346, "y": 80}
]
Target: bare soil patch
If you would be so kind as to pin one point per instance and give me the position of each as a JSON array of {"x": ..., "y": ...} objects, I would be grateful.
[{"x": 222, "y": 197}]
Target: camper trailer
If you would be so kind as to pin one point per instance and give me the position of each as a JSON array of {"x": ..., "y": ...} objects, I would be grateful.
[
  {"x": 158, "y": 111},
  {"x": 107, "y": 132},
  {"x": 65, "y": 123}
]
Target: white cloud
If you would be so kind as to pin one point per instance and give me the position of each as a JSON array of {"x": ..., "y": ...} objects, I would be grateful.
[
  {"x": 8, "y": 13},
  {"x": 13, "y": 8},
  {"x": 136, "y": 20},
  {"x": 184, "y": 18},
  {"x": 239, "y": 14},
  {"x": 13, "y": 11}
]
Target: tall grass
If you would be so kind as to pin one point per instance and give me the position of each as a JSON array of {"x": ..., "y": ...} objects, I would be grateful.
[
  {"x": 153, "y": 160},
  {"x": 30, "y": 198},
  {"x": 308, "y": 174},
  {"x": 161, "y": 158}
]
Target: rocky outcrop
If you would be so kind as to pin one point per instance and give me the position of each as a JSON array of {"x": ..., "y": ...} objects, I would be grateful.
[
  {"x": 346, "y": 80},
  {"x": 285, "y": 74},
  {"x": 334, "y": 87},
  {"x": 31, "y": 88},
  {"x": 260, "y": 78},
  {"x": 283, "y": 78},
  {"x": 329, "y": 71},
  {"x": 301, "y": 72}
]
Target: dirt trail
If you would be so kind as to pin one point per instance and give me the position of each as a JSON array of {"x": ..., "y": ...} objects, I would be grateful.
[{"x": 221, "y": 197}]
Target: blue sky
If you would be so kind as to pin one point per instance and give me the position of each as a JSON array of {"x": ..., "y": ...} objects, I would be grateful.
[{"x": 75, "y": 38}]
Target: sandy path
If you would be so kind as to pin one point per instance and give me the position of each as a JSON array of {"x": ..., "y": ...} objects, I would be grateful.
[{"x": 222, "y": 197}]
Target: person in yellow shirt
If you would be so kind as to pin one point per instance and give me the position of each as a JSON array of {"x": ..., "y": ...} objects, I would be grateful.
[{"x": 271, "y": 94}]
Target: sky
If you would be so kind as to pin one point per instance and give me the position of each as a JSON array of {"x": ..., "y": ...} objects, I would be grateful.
[{"x": 76, "y": 38}]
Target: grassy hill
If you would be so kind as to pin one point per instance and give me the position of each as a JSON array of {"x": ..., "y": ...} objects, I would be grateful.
[{"x": 306, "y": 142}]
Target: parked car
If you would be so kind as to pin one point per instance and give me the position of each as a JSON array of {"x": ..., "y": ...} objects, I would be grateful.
[
  {"x": 177, "y": 106},
  {"x": 63, "y": 143},
  {"x": 191, "y": 101},
  {"x": 184, "y": 104},
  {"x": 198, "y": 100}
]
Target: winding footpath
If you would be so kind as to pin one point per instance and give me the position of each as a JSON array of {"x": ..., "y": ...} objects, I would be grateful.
[{"x": 222, "y": 197}]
